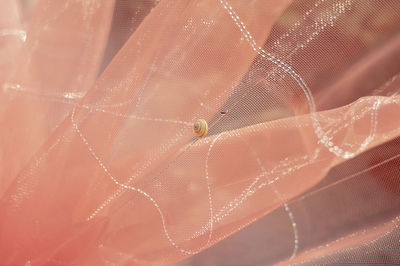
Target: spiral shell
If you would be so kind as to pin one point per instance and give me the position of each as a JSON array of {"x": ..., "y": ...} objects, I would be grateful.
[{"x": 200, "y": 128}]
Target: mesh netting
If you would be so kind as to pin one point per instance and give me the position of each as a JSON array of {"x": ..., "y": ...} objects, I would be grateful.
[{"x": 100, "y": 164}]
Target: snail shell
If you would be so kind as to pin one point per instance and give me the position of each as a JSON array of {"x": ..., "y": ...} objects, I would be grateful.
[{"x": 200, "y": 128}]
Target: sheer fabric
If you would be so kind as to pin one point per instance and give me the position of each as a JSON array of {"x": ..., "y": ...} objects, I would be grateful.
[{"x": 100, "y": 165}]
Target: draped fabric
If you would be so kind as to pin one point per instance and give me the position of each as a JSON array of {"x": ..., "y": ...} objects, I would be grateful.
[{"x": 100, "y": 164}]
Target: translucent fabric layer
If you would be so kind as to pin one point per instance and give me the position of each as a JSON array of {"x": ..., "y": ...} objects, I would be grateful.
[{"x": 100, "y": 164}]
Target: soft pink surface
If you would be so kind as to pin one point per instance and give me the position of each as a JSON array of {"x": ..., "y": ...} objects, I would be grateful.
[{"x": 106, "y": 169}]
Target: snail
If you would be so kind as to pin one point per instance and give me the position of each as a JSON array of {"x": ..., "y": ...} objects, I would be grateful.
[{"x": 200, "y": 128}]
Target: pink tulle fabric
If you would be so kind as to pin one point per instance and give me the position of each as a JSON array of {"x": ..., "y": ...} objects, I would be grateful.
[{"x": 100, "y": 164}]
